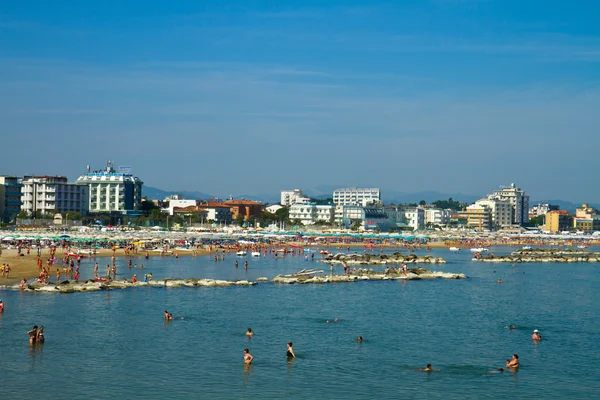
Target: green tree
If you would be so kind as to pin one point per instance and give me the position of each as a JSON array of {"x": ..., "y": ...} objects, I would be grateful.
[
  {"x": 422, "y": 203},
  {"x": 537, "y": 221}
]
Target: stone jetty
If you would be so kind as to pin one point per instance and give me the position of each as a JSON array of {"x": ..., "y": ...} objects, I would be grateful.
[
  {"x": 92, "y": 285},
  {"x": 304, "y": 276},
  {"x": 543, "y": 255},
  {"x": 364, "y": 274},
  {"x": 379, "y": 259}
]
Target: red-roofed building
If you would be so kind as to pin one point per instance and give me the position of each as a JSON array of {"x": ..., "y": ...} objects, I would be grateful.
[{"x": 245, "y": 208}]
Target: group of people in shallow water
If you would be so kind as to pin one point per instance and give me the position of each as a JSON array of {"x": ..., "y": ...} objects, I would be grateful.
[{"x": 36, "y": 335}]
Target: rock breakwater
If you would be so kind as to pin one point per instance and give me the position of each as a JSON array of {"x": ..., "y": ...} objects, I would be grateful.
[
  {"x": 542, "y": 255},
  {"x": 379, "y": 259}
]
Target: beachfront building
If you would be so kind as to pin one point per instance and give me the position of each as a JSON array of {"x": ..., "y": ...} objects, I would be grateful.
[
  {"x": 177, "y": 201},
  {"x": 274, "y": 208},
  {"x": 189, "y": 211},
  {"x": 353, "y": 196},
  {"x": 245, "y": 208},
  {"x": 291, "y": 197},
  {"x": 10, "y": 197},
  {"x": 415, "y": 218},
  {"x": 502, "y": 211},
  {"x": 477, "y": 217},
  {"x": 586, "y": 218},
  {"x": 367, "y": 218},
  {"x": 53, "y": 194},
  {"x": 519, "y": 200},
  {"x": 310, "y": 214},
  {"x": 558, "y": 221},
  {"x": 218, "y": 213},
  {"x": 112, "y": 191},
  {"x": 541, "y": 209},
  {"x": 437, "y": 216}
]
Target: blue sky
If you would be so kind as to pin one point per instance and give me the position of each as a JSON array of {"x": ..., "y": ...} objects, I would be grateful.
[{"x": 254, "y": 96}]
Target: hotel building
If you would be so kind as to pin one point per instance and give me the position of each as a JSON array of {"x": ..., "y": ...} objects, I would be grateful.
[
  {"x": 10, "y": 197},
  {"x": 112, "y": 191},
  {"x": 353, "y": 196},
  {"x": 519, "y": 200},
  {"x": 53, "y": 194}
]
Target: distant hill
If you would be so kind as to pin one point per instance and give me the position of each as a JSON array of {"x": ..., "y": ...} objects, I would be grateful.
[{"x": 158, "y": 194}]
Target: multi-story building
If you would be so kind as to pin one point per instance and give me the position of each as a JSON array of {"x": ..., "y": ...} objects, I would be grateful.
[
  {"x": 502, "y": 211},
  {"x": 290, "y": 197},
  {"x": 218, "y": 213},
  {"x": 309, "y": 214},
  {"x": 112, "y": 191},
  {"x": 369, "y": 218},
  {"x": 353, "y": 196},
  {"x": 436, "y": 216},
  {"x": 53, "y": 194},
  {"x": 519, "y": 200},
  {"x": 10, "y": 197},
  {"x": 477, "y": 217},
  {"x": 586, "y": 224},
  {"x": 176, "y": 201},
  {"x": 541, "y": 209},
  {"x": 558, "y": 221},
  {"x": 587, "y": 212},
  {"x": 245, "y": 208},
  {"x": 415, "y": 218},
  {"x": 586, "y": 218}
]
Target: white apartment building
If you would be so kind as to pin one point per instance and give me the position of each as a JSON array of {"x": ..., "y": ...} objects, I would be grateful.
[
  {"x": 274, "y": 208},
  {"x": 415, "y": 218},
  {"x": 219, "y": 214},
  {"x": 501, "y": 212},
  {"x": 541, "y": 209},
  {"x": 309, "y": 214},
  {"x": 436, "y": 216},
  {"x": 112, "y": 191},
  {"x": 177, "y": 203},
  {"x": 519, "y": 200},
  {"x": 290, "y": 197},
  {"x": 53, "y": 194},
  {"x": 353, "y": 196}
]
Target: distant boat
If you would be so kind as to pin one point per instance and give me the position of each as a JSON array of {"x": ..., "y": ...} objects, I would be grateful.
[
  {"x": 527, "y": 247},
  {"x": 454, "y": 249},
  {"x": 241, "y": 253},
  {"x": 479, "y": 250},
  {"x": 256, "y": 254},
  {"x": 582, "y": 246}
]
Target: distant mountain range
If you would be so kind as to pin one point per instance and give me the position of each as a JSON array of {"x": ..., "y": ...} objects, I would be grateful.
[{"x": 324, "y": 192}]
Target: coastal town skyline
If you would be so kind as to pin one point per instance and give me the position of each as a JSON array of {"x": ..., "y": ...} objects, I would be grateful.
[{"x": 438, "y": 95}]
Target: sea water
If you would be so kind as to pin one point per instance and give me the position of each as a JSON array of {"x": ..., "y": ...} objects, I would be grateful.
[{"x": 116, "y": 344}]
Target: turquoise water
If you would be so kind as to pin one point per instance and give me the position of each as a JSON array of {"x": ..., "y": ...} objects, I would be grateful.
[{"x": 115, "y": 344}]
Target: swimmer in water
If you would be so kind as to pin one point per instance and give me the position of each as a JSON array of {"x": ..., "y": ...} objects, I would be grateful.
[
  {"x": 168, "y": 316},
  {"x": 40, "y": 335},
  {"x": 536, "y": 335},
  {"x": 512, "y": 327},
  {"x": 248, "y": 357},
  {"x": 514, "y": 363},
  {"x": 249, "y": 332},
  {"x": 290, "y": 351},
  {"x": 32, "y": 335},
  {"x": 428, "y": 368},
  {"x": 359, "y": 339},
  {"x": 499, "y": 280}
]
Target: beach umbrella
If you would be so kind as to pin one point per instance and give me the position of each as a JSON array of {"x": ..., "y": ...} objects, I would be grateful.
[
  {"x": 8, "y": 238},
  {"x": 64, "y": 236}
]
